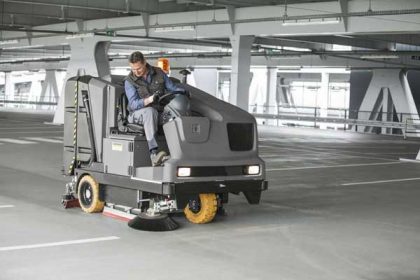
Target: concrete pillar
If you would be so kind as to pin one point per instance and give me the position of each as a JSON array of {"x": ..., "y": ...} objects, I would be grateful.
[
  {"x": 258, "y": 91},
  {"x": 206, "y": 79},
  {"x": 240, "y": 75},
  {"x": 89, "y": 56},
  {"x": 387, "y": 110},
  {"x": 387, "y": 90},
  {"x": 9, "y": 87},
  {"x": 271, "y": 97},
  {"x": 223, "y": 85},
  {"x": 49, "y": 90},
  {"x": 283, "y": 96},
  {"x": 323, "y": 98}
]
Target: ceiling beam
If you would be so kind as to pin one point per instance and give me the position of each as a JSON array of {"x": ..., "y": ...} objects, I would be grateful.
[
  {"x": 47, "y": 14},
  {"x": 344, "y": 5},
  {"x": 156, "y": 45},
  {"x": 406, "y": 39},
  {"x": 246, "y": 23},
  {"x": 224, "y": 61},
  {"x": 345, "y": 40},
  {"x": 231, "y": 10},
  {"x": 286, "y": 42},
  {"x": 68, "y": 5},
  {"x": 146, "y": 22}
]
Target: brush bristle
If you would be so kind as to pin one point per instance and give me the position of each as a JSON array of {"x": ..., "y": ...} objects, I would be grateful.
[{"x": 153, "y": 223}]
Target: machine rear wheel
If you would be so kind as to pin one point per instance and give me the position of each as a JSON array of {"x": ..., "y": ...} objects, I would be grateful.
[
  {"x": 202, "y": 209},
  {"x": 88, "y": 192}
]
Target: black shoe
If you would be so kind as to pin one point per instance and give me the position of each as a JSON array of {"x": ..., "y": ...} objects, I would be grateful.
[{"x": 157, "y": 158}]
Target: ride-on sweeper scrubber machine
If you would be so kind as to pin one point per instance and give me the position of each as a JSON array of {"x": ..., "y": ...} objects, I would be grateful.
[{"x": 212, "y": 147}]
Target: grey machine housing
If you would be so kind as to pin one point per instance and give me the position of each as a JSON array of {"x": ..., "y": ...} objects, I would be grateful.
[{"x": 218, "y": 141}]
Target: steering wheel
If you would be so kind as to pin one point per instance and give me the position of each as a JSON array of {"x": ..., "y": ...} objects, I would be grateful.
[{"x": 166, "y": 98}]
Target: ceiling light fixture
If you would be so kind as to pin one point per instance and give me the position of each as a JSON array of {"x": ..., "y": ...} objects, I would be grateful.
[
  {"x": 9, "y": 42},
  {"x": 174, "y": 28},
  {"x": 335, "y": 70},
  {"x": 279, "y": 57},
  {"x": 380, "y": 56},
  {"x": 285, "y": 67},
  {"x": 80, "y": 36},
  {"x": 311, "y": 21}
]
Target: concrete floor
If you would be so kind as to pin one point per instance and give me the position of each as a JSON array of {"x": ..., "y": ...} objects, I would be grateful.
[{"x": 325, "y": 215}]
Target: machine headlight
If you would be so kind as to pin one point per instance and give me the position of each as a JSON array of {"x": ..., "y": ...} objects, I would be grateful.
[
  {"x": 184, "y": 171},
  {"x": 252, "y": 170}
]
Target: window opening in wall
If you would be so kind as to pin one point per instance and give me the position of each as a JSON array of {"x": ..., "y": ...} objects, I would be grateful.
[
  {"x": 21, "y": 92},
  {"x": 311, "y": 100},
  {"x": 223, "y": 85},
  {"x": 27, "y": 91},
  {"x": 339, "y": 95},
  {"x": 2, "y": 94}
]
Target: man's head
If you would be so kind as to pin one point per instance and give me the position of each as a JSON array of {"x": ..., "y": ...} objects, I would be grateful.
[{"x": 137, "y": 64}]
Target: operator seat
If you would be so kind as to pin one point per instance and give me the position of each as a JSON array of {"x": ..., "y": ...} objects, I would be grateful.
[{"x": 123, "y": 125}]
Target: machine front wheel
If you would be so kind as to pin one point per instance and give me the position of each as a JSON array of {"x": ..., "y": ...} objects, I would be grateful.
[
  {"x": 88, "y": 192},
  {"x": 201, "y": 209}
]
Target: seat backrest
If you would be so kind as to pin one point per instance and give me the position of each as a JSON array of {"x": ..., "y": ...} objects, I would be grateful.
[
  {"x": 123, "y": 109},
  {"x": 123, "y": 125}
]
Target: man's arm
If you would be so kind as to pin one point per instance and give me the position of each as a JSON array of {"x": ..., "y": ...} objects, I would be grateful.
[
  {"x": 171, "y": 86},
  {"x": 134, "y": 100}
]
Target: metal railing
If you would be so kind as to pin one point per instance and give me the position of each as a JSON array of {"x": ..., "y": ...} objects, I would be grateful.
[
  {"x": 412, "y": 126},
  {"x": 349, "y": 119},
  {"x": 19, "y": 103}
]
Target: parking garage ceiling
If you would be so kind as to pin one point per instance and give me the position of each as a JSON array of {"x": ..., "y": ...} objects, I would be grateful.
[
  {"x": 21, "y": 13},
  {"x": 35, "y": 31}
]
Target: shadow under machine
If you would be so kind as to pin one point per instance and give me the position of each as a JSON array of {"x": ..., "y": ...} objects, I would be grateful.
[{"x": 212, "y": 148}]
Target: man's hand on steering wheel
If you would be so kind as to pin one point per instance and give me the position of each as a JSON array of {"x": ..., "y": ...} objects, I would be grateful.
[
  {"x": 163, "y": 99},
  {"x": 150, "y": 100}
]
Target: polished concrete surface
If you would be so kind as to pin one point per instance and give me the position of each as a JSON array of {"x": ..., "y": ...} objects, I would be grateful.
[{"x": 340, "y": 205}]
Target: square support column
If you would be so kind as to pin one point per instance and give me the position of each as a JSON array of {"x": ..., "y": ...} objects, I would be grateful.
[
  {"x": 49, "y": 91},
  {"x": 240, "y": 75},
  {"x": 271, "y": 99},
  {"x": 323, "y": 98},
  {"x": 387, "y": 111},
  {"x": 9, "y": 87}
]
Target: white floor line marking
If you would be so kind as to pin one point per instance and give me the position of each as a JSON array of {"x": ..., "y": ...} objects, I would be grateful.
[
  {"x": 271, "y": 155},
  {"x": 333, "y": 166},
  {"x": 54, "y": 244},
  {"x": 42, "y": 139},
  {"x": 6, "y": 206},
  {"x": 16, "y": 141},
  {"x": 381, "y": 181},
  {"x": 53, "y": 124},
  {"x": 31, "y": 132},
  {"x": 27, "y": 127},
  {"x": 337, "y": 154}
]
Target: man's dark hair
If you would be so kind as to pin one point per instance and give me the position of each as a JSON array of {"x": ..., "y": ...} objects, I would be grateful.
[{"x": 136, "y": 57}]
